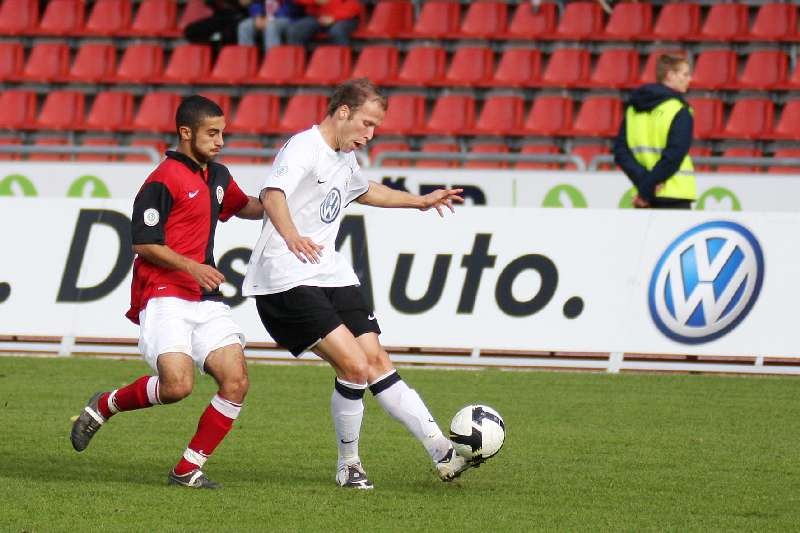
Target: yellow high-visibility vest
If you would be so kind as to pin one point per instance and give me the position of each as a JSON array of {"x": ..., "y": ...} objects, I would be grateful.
[{"x": 646, "y": 133}]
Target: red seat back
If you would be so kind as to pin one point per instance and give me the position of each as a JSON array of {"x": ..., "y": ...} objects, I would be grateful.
[
  {"x": 62, "y": 17},
  {"x": 389, "y": 19},
  {"x": 549, "y": 115},
  {"x": 629, "y": 21},
  {"x": 12, "y": 60},
  {"x": 257, "y": 113},
  {"x": 108, "y": 17},
  {"x": 750, "y": 118},
  {"x": 616, "y": 67},
  {"x": 18, "y": 17},
  {"x": 378, "y": 63},
  {"x": 47, "y": 62},
  {"x": 282, "y": 64},
  {"x": 708, "y": 116},
  {"x": 93, "y": 63},
  {"x": 111, "y": 111},
  {"x": 405, "y": 114},
  {"x": 775, "y": 22},
  {"x": 725, "y": 22},
  {"x": 437, "y": 19},
  {"x": 302, "y": 111},
  {"x": 155, "y": 18},
  {"x": 188, "y": 63},
  {"x": 451, "y": 114},
  {"x": 714, "y": 69},
  {"x": 235, "y": 64},
  {"x": 764, "y": 69},
  {"x": 329, "y": 65},
  {"x": 530, "y": 23},
  {"x": 62, "y": 110},
  {"x": 422, "y": 65},
  {"x": 157, "y": 112},
  {"x": 599, "y": 116},
  {"x": 484, "y": 20},
  {"x": 581, "y": 20},
  {"x": 471, "y": 65},
  {"x": 518, "y": 67},
  {"x": 677, "y": 21},
  {"x": 17, "y": 109},
  {"x": 500, "y": 115},
  {"x": 140, "y": 63},
  {"x": 568, "y": 67}
]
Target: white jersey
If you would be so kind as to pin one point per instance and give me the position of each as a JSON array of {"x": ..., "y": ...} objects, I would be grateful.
[{"x": 318, "y": 183}]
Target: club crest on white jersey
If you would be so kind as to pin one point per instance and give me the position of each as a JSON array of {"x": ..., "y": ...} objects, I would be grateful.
[{"x": 330, "y": 206}]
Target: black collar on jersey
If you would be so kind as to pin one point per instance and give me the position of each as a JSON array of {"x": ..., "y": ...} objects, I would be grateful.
[{"x": 185, "y": 159}]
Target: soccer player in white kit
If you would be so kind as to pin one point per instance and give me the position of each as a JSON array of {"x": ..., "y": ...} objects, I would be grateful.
[{"x": 308, "y": 295}]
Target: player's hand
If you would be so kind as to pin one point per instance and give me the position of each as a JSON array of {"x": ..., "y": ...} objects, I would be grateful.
[
  {"x": 207, "y": 276},
  {"x": 442, "y": 198},
  {"x": 305, "y": 249},
  {"x": 325, "y": 20},
  {"x": 638, "y": 201}
]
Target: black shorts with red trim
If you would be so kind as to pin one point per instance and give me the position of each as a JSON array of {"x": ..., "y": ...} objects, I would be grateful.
[{"x": 299, "y": 318}]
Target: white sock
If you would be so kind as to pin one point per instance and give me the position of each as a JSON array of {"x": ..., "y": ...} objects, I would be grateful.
[
  {"x": 404, "y": 405},
  {"x": 347, "y": 410}
]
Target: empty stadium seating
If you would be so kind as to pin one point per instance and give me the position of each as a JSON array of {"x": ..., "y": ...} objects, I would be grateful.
[{"x": 465, "y": 70}]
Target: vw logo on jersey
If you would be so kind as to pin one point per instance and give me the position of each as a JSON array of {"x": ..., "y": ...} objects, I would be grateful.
[
  {"x": 706, "y": 282},
  {"x": 330, "y": 206}
]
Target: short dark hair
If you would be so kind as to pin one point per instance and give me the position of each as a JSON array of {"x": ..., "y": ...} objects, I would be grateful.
[
  {"x": 193, "y": 110},
  {"x": 668, "y": 63},
  {"x": 353, "y": 94}
]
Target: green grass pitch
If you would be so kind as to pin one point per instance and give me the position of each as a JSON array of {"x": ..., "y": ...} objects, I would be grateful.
[{"x": 583, "y": 452}]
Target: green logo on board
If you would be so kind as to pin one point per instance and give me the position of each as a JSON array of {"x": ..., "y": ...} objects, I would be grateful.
[
  {"x": 564, "y": 196},
  {"x": 724, "y": 198},
  {"x": 17, "y": 185},
  {"x": 88, "y": 186}
]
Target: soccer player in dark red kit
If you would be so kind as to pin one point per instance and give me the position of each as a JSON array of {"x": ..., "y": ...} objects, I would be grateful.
[{"x": 175, "y": 295}]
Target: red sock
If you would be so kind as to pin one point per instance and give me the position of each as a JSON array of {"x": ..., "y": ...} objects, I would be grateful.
[
  {"x": 130, "y": 397},
  {"x": 211, "y": 429}
]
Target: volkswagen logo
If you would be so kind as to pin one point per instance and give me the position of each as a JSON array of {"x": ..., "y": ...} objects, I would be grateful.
[
  {"x": 706, "y": 282},
  {"x": 330, "y": 206}
]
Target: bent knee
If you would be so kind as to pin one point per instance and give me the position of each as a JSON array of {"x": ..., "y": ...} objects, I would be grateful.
[
  {"x": 235, "y": 389},
  {"x": 172, "y": 392}
]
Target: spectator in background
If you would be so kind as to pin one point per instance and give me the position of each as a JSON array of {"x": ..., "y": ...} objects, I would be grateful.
[
  {"x": 271, "y": 19},
  {"x": 337, "y": 18},
  {"x": 652, "y": 146},
  {"x": 220, "y": 28}
]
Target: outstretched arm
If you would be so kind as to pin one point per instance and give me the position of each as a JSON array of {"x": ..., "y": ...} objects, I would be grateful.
[
  {"x": 252, "y": 210},
  {"x": 274, "y": 201},
  {"x": 380, "y": 195}
]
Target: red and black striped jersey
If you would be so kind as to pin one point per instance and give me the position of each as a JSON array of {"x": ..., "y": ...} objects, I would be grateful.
[{"x": 178, "y": 206}]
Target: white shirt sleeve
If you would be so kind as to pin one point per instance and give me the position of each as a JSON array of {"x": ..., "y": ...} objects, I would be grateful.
[
  {"x": 291, "y": 165},
  {"x": 359, "y": 184}
]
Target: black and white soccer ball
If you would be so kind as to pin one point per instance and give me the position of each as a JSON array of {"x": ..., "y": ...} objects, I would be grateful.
[{"x": 477, "y": 432}]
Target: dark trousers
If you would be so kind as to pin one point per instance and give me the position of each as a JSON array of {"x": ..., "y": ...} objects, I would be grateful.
[{"x": 670, "y": 203}]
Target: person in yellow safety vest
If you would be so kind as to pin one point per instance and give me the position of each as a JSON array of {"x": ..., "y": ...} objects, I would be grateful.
[{"x": 652, "y": 146}]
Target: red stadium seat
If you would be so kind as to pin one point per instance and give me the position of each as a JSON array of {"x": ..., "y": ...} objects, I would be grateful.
[
  {"x": 615, "y": 67},
  {"x": 765, "y": 69},
  {"x": 422, "y": 66},
  {"x": 302, "y": 111},
  {"x": 140, "y": 63},
  {"x": 154, "y": 18},
  {"x": 568, "y": 67},
  {"x": 17, "y": 109},
  {"x": 257, "y": 113},
  {"x": 629, "y": 21},
  {"x": 390, "y": 146},
  {"x": 98, "y": 141},
  {"x": 531, "y": 24},
  {"x": 740, "y": 151},
  {"x": 47, "y": 62},
  {"x": 780, "y": 153},
  {"x": 12, "y": 60},
  {"x": 188, "y": 64},
  {"x": 588, "y": 152},
  {"x": 708, "y": 116},
  {"x": 62, "y": 17},
  {"x": 451, "y": 114},
  {"x": 229, "y": 158},
  {"x": 111, "y": 111},
  {"x": 698, "y": 151},
  {"x": 18, "y": 17},
  {"x": 62, "y": 110},
  {"x": 108, "y": 18},
  {"x": 389, "y": 19},
  {"x": 649, "y": 71},
  {"x": 329, "y": 65},
  {"x": 500, "y": 114},
  {"x": 774, "y": 22},
  {"x": 49, "y": 141},
  {"x": 194, "y": 11},
  {"x": 714, "y": 69},
  {"x": 531, "y": 148},
  {"x": 788, "y": 126},
  {"x": 235, "y": 64},
  {"x": 378, "y": 63},
  {"x": 156, "y": 113},
  {"x": 487, "y": 148},
  {"x": 157, "y": 143},
  {"x": 581, "y": 20},
  {"x": 677, "y": 21},
  {"x": 484, "y": 20},
  {"x": 437, "y": 19},
  {"x": 439, "y": 147},
  {"x": 599, "y": 116},
  {"x": 405, "y": 114},
  {"x": 223, "y": 100},
  {"x": 725, "y": 22},
  {"x": 10, "y": 140},
  {"x": 549, "y": 115},
  {"x": 470, "y": 66},
  {"x": 94, "y": 62},
  {"x": 750, "y": 118},
  {"x": 518, "y": 67},
  {"x": 281, "y": 64}
]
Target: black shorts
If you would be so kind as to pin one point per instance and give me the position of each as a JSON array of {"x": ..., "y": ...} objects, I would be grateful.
[{"x": 299, "y": 318}]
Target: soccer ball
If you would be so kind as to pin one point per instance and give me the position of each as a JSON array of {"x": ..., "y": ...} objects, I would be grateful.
[{"x": 477, "y": 432}]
